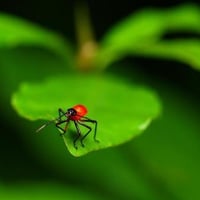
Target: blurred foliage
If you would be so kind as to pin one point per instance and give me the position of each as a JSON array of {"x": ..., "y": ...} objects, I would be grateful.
[
  {"x": 18, "y": 32},
  {"x": 160, "y": 164},
  {"x": 42, "y": 191},
  {"x": 142, "y": 32}
]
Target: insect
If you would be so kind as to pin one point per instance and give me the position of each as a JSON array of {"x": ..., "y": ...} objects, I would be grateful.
[{"x": 77, "y": 115}]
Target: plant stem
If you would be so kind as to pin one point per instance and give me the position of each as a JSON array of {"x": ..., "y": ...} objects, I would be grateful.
[{"x": 87, "y": 45}]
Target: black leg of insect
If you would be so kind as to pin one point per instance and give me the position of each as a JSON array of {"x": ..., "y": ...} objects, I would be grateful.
[
  {"x": 95, "y": 129},
  {"x": 78, "y": 135},
  {"x": 61, "y": 114},
  {"x": 62, "y": 129},
  {"x": 59, "y": 121}
]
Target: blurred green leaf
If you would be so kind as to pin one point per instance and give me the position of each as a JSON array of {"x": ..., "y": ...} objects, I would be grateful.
[
  {"x": 41, "y": 191},
  {"x": 122, "y": 111},
  {"x": 145, "y": 29},
  {"x": 187, "y": 51},
  {"x": 19, "y": 32}
]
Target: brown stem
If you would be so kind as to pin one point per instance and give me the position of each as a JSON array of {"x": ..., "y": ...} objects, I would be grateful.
[{"x": 87, "y": 45}]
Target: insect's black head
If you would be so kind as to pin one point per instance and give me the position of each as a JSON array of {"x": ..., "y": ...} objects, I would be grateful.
[{"x": 71, "y": 112}]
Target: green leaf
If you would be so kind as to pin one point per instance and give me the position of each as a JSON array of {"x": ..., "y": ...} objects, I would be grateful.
[
  {"x": 144, "y": 29},
  {"x": 15, "y": 32},
  {"x": 187, "y": 51},
  {"x": 122, "y": 110},
  {"x": 40, "y": 191}
]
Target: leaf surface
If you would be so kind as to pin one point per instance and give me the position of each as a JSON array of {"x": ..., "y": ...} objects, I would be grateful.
[{"x": 122, "y": 110}]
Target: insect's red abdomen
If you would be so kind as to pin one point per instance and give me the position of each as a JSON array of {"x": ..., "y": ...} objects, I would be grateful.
[{"x": 81, "y": 112}]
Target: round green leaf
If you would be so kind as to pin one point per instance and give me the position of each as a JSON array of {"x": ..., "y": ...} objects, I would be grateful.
[{"x": 121, "y": 110}]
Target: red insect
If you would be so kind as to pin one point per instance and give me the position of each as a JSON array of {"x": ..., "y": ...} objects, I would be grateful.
[{"x": 77, "y": 115}]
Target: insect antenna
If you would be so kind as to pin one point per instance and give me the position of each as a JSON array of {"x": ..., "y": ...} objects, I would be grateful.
[
  {"x": 49, "y": 122},
  {"x": 44, "y": 125}
]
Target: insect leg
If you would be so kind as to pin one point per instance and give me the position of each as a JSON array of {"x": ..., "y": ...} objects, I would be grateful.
[
  {"x": 95, "y": 128},
  {"x": 62, "y": 129},
  {"x": 61, "y": 113},
  {"x": 78, "y": 135}
]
